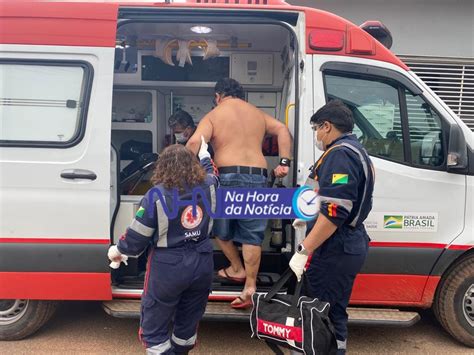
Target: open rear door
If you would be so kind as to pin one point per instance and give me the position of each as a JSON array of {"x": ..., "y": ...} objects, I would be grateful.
[{"x": 56, "y": 67}]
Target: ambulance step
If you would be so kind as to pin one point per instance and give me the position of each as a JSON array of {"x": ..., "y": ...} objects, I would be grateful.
[
  {"x": 382, "y": 316},
  {"x": 265, "y": 281},
  {"x": 220, "y": 311}
]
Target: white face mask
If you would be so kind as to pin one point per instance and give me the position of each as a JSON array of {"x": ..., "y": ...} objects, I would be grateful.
[
  {"x": 319, "y": 144},
  {"x": 180, "y": 138}
]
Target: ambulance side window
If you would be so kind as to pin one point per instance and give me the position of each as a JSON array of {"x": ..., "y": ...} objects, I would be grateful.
[
  {"x": 375, "y": 106},
  {"x": 426, "y": 133},
  {"x": 43, "y": 103}
]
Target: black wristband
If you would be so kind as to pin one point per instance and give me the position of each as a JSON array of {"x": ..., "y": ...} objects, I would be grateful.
[{"x": 285, "y": 162}]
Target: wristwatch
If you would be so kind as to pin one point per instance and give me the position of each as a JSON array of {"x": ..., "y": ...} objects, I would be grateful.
[
  {"x": 300, "y": 249},
  {"x": 285, "y": 162}
]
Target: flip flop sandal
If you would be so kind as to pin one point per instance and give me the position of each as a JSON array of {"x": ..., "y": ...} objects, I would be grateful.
[
  {"x": 244, "y": 303},
  {"x": 240, "y": 280}
]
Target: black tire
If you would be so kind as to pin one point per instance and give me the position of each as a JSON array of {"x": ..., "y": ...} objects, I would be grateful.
[
  {"x": 454, "y": 302},
  {"x": 21, "y": 318}
]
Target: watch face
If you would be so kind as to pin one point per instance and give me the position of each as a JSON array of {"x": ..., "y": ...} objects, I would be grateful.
[{"x": 306, "y": 203}]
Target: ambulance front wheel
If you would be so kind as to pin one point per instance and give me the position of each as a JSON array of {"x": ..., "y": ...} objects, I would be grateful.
[
  {"x": 454, "y": 302},
  {"x": 21, "y": 318}
]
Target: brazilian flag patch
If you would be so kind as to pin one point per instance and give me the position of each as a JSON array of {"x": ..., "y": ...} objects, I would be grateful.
[
  {"x": 340, "y": 178},
  {"x": 140, "y": 212}
]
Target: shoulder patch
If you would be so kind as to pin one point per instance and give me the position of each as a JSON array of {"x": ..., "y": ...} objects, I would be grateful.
[
  {"x": 140, "y": 212},
  {"x": 340, "y": 178}
]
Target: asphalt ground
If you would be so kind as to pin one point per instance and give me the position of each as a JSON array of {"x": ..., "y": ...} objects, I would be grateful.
[{"x": 84, "y": 328}]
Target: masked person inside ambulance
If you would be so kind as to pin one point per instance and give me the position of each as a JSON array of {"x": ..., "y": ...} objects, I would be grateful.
[
  {"x": 183, "y": 127},
  {"x": 180, "y": 262},
  {"x": 338, "y": 242}
]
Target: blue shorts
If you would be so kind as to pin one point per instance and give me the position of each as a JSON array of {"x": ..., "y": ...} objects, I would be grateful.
[{"x": 244, "y": 231}]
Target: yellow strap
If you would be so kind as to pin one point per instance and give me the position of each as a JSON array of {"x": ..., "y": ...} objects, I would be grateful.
[{"x": 320, "y": 160}]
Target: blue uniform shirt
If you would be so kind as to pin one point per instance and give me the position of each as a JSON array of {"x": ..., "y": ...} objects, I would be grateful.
[
  {"x": 152, "y": 225},
  {"x": 344, "y": 189}
]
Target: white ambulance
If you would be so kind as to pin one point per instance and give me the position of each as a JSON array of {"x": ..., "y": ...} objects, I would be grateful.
[{"x": 85, "y": 92}]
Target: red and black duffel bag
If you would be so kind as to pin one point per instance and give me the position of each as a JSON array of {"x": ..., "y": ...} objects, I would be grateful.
[{"x": 299, "y": 323}]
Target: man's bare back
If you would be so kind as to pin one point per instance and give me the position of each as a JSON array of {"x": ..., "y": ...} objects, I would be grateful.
[
  {"x": 237, "y": 136},
  {"x": 236, "y": 130}
]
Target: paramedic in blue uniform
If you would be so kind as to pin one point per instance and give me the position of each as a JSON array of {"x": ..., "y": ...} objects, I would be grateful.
[
  {"x": 180, "y": 263},
  {"x": 338, "y": 242}
]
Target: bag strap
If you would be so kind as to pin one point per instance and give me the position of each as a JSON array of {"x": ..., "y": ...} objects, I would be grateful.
[
  {"x": 296, "y": 295},
  {"x": 279, "y": 284}
]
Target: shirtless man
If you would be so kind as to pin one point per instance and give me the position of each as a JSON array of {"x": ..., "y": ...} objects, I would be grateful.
[{"x": 236, "y": 130}]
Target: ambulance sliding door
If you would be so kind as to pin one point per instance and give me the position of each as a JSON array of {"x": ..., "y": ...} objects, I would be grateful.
[
  {"x": 418, "y": 206},
  {"x": 55, "y": 117}
]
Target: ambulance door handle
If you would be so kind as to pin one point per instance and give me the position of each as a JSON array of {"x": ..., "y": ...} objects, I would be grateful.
[{"x": 73, "y": 174}]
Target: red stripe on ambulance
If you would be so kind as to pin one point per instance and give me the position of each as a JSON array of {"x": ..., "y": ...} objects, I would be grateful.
[
  {"x": 55, "y": 285},
  {"x": 394, "y": 290}
]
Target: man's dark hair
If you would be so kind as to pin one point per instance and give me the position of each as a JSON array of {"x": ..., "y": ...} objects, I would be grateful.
[
  {"x": 230, "y": 87},
  {"x": 181, "y": 118},
  {"x": 337, "y": 113}
]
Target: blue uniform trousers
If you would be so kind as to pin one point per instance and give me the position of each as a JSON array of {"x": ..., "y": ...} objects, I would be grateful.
[
  {"x": 331, "y": 275},
  {"x": 177, "y": 285}
]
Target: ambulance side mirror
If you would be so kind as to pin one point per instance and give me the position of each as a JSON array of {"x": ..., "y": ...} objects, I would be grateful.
[{"x": 457, "y": 149}]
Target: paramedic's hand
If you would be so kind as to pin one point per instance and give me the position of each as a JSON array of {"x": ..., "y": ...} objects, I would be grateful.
[
  {"x": 203, "y": 152},
  {"x": 116, "y": 257},
  {"x": 281, "y": 171},
  {"x": 299, "y": 224},
  {"x": 297, "y": 264}
]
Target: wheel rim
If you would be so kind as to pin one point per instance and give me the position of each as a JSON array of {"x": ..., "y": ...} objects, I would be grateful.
[
  {"x": 12, "y": 310},
  {"x": 468, "y": 305}
]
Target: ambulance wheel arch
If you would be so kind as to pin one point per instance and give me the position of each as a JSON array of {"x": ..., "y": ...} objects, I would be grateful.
[
  {"x": 454, "y": 300},
  {"x": 21, "y": 318}
]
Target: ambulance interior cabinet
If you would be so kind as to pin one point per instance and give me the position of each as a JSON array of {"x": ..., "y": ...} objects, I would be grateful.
[
  {"x": 252, "y": 68},
  {"x": 134, "y": 120}
]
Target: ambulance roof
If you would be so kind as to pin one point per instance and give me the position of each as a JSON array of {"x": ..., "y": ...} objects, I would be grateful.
[{"x": 93, "y": 23}]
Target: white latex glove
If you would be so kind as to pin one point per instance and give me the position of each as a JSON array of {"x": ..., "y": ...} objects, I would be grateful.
[
  {"x": 203, "y": 152},
  {"x": 297, "y": 264},
  {"x": 299, "y": 224},
  {"x": 116, "y": 257},
  {"x": 184, "y": 55},
  {"x": 211, "y": 49},
  {"x": 164, "y": 50}
]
